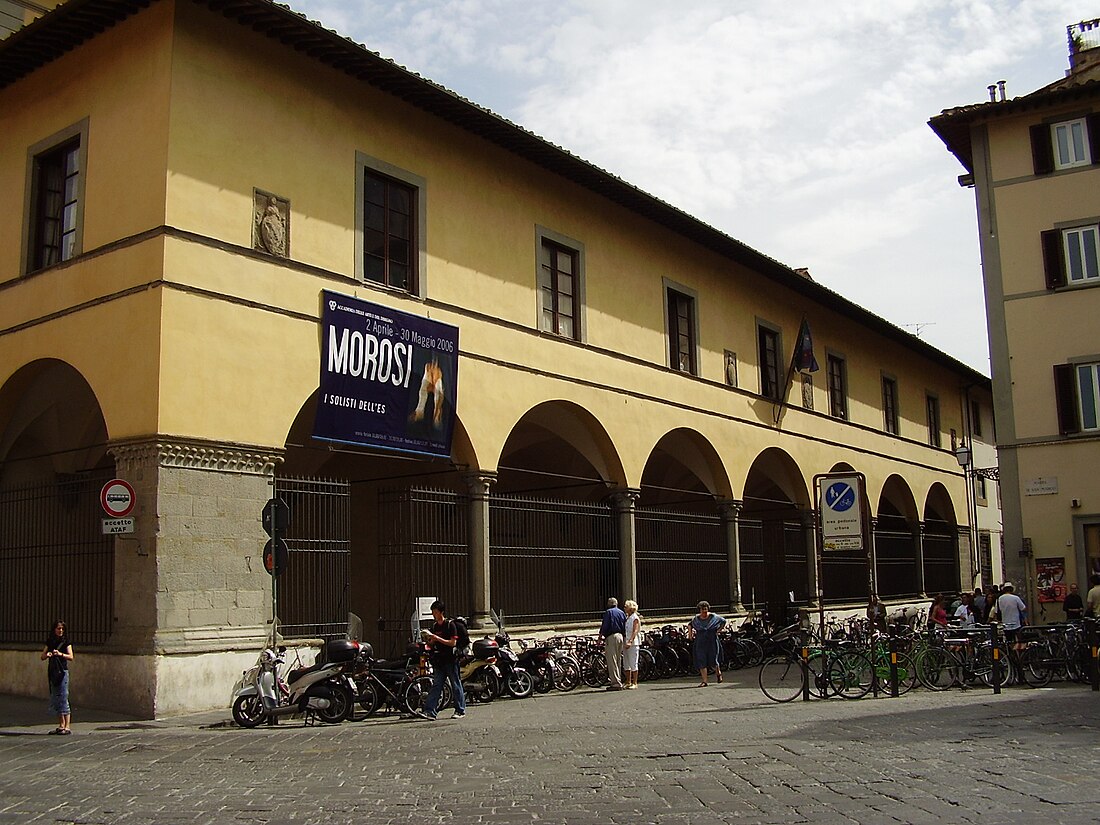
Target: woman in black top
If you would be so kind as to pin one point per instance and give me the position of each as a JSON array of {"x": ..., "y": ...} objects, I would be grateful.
[{"x": 59, "y": 652}]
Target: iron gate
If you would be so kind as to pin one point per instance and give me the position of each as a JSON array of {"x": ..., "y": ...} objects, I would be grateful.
[
  {"x": 55, "y": 562},
  {"x": 313, "y": 592},
  {"x": 682, "y": 559}
]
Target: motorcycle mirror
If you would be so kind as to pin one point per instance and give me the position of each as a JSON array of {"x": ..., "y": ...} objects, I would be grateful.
[{"x": 355, "y": 628}]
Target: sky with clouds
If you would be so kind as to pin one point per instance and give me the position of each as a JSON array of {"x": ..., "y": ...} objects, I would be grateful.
[{"x": 799, "y": 128}]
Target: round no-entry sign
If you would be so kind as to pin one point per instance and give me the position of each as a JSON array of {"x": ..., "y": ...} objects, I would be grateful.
[{"x": 117, "y": 498}]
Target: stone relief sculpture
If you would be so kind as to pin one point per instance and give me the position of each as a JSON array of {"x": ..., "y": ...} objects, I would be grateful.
[{"x": 270, "y": 228}]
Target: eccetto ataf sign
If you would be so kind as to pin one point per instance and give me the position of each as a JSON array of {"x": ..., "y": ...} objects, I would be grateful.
[{"x": 117, "y": 498}]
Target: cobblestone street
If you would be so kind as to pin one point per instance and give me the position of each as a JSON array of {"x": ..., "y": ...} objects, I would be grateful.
[{"x": 668, "y": 753}]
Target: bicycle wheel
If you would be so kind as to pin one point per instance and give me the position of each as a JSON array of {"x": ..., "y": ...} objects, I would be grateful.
[
  {"x": 937, "y": 668},
  {"x": 907, "y": 673},
  {"x": 594, "y": 669},
  {"x": 568, "y": 674},
  {"x": 851, "y": 674},
  {"x": 752, "y": 652},
  {"x": 780, "y": 678},
  {"x": 1035, "y": 665},
  {"x": 646, "y": 664},
  {"x": 983, "y": 665}
]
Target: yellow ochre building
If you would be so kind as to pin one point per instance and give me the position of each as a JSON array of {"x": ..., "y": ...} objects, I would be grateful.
[{"x": 242, "y": 257}]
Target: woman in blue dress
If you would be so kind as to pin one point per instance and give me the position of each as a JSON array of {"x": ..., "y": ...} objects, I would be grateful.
[{"x": 704, "y": 631}]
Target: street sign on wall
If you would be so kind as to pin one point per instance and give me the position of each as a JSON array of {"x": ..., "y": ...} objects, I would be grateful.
[{"x": 117, "y": 498}]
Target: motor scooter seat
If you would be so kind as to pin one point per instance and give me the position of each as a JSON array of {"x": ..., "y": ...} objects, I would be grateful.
[{"x": 295, "y": 675}]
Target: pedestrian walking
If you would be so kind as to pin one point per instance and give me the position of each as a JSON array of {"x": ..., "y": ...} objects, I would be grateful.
[
  {"x": 58, "y": 652},
  {"x": 1012, "y": 613},
  {"x": 611, "y": 632},
  {"x": 704, "y": 631},
  {"x": 632, "y": 642},
  {"x": 937, "y": 613},
  {"x": 441, "y": 640},
  {"x": 1092, "y": 599},
  {"x": 1073, "y": 604}
]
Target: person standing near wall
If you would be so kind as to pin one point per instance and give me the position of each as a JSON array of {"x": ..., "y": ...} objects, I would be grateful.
[
  {"x": 58, "y": 653},
  {"x": 704, "y": 631},
  {"x": 611, "y": 631},
  {"x": 632, "y": 643}
]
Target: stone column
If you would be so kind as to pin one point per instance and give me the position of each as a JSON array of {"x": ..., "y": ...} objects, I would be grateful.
[
  {"x": 729, "y": 511},
  {"x": 477, "y": 485},
  {"x": 872, "y": 558},
  {"x": 813, "y": 586},
  {"x": 918, "y": 536},
  {"x": 192, "y": 595},
  {"x": 625, "y": 501}
]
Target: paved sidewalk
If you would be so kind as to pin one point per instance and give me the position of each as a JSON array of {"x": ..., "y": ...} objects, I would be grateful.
[{"x": 667, "y": 754}]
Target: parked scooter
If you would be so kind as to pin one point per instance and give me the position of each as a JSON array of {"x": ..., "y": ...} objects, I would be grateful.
[
  {"x": 514, "y": 679},
  {"x": 479, "y": 673},
  {"x": 324, "y": 691}
]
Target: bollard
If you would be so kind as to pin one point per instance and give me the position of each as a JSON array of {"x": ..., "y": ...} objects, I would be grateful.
[
  {"x": 1094, "y": 650},
  {"x": 805, "y": 665},
  {"x": 894, "y": 661},
  {"x": 995, "y": 640}
]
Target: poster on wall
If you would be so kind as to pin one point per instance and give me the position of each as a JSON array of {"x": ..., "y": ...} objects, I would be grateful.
[
  {"x": 1049, "y": 574},
  {"x": 388, "y": 379}
]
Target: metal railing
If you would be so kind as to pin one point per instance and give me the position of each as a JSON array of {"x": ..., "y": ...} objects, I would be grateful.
[
  {"x": 55, "y": 562},
  {"x": 313, "y": 597},
  {"x": 682, "y": 559},
  {"x": 1083, "y": 36}
]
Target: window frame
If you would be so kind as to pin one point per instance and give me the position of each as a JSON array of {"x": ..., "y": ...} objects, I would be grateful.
[
  {"x": 1058, "y": 257},
  {"x": 675, "y": 332},
  {"x": 547, "y": 238},
  {"x": 77, "y": 134},
  {"x": 765, "y": 329},
  {"x": 891, "y": 402},
  {"x": 838, "y": 392},
  {"x": 1044, "y": 149},
  {"x": 418, "y": 257},
  {"x": 975, "y": 418},
  {"x": 1070, "y": 399},
  {"x": 932, "y": 414},
  {"x": 1086, "y": 159}
]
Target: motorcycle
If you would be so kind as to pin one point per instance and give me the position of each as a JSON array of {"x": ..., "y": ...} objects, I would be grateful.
[
  {"x": 478, "y": 671},
  {"x": 323, "y": 691},
  {"x": 514, "y": 679}
]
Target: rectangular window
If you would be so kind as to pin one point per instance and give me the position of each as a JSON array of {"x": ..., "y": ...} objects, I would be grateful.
[
  {"x": 1070, "y": 256},
  {"x": 1081, "y": 254},
  {"x": 768, "y": 345},
  {"x": 933, "y": 405},
  {"x": 389, "y": 228},
  {"x": 1070, "y": 143},
  {"x": 981, "y": 492},
  {"x": 890, "y": 405},
  {"x": 838, "y": 387},
  {"x": 1088, "y": 395},
  {"x": 390, "y": 224},
  {"x": 976, "y": 419},
  {"x": 56, "y": 210},
  {"x": 681, "y": 331},
  {"x": 560, "y": 283}
]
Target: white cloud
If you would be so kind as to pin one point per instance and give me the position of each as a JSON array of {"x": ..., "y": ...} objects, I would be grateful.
[{"x": 799, "y": 128}]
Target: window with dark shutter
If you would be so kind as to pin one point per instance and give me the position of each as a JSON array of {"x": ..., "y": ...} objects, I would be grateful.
[
  {"x": 1054, "y": 261},
  {"x": 1042, "y": 149},
  {"x": 1093, "y": 122},
  {"x": 768, "y": 347},
  {"x": 681, "y": 331},
  {"x": 1065, "y": 398}
]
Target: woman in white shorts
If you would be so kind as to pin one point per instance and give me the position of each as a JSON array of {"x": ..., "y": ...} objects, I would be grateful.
[{"x": 632, "y": 641}]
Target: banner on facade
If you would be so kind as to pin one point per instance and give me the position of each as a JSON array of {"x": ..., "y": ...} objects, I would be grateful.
[{"x": 388, "y": 379}]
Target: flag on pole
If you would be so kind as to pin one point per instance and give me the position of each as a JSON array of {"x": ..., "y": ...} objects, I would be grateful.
[{"x": 804, "y": 350}]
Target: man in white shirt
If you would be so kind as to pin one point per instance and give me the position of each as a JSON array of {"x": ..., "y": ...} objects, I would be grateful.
[
  {"x": 965, "y": 612},
  {"x": 1012, "y": 612}
]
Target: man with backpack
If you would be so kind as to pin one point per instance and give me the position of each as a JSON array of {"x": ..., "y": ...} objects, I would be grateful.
[{"x": 444, "y": 640}]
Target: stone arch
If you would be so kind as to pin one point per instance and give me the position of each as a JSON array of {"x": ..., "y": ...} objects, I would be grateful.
[
  {"x": 941, "y": 541},
  {"x": 559, "y": 448},
  {"x": 51, "y": 423},
  {"x": 897, "y": 556},
  {"x": 54, "y": 558},
  {"x": 683, "y": 468},
  {"x": 776, "y": 534}
]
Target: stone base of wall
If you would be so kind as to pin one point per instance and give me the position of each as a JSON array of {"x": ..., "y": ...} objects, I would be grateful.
[{"x": 141, "y": 686}]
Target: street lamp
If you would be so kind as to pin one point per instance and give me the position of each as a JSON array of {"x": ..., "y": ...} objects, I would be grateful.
[{"x": 964, "y": 454}]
